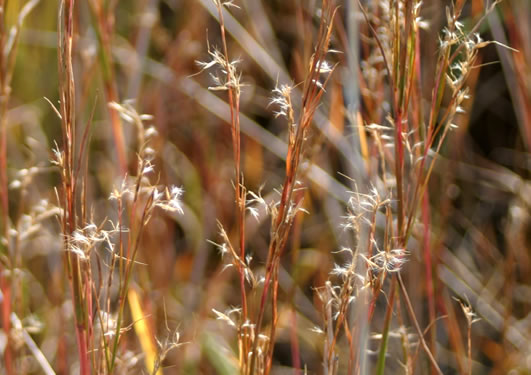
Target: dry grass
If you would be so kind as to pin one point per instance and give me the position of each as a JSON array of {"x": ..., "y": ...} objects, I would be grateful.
[{"x": 322, "y": 187}]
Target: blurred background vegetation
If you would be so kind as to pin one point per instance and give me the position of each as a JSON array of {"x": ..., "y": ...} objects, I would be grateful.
[{"x": 479, "y": 195}]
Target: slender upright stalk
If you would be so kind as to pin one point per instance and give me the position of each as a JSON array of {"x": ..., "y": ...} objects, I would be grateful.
[
  {"x": 67, "y": 161},
  {"x": 4, "y": 198},
  {"x": 233, "y": 91},
  {"x": 289, "y": 202},
  {"x": 420, "y": 333},
  {"x": 380, "y": 366},
  {"x": 103, "y": 13},
  {"x": 8, "y": 52}
]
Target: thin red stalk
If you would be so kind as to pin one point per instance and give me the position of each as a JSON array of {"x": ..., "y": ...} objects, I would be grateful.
[
  {"x": 73, "y": 265},
  {"x": 282, "y": 223},
  {"x": 417, "y": 92},
  {"x": 4, "y": 199},
  {"x": 399, "y": 153},
  {"x": 417, "y": 327},
  {"x": 4, "y": 287},
  {"x": 454, "y": 331},
  {"x": 274, "y": 320},
  {"x": 420, "y": 181},
  {"x": 310, "y": 102},
  {"x": 88, "y": 297},
  {"x": 428, "y": 268},
  {"x": 103, "y": 31},
  {"x": 6, "y": 324},
  {"x": 82, "y": 347},
  {"x": 469, "y": 341},
  {"x": 400, "y": 117},
  {"x": 234, "y": 105},
  {"x": 263, "y": 301},
  {"x": 294, "y": 340},
  {"x": 339, "y": 323},
  {"x": 412, "y": 64},
  {"x": 402, "y": 102},
  {"x": 399, "y": 168},
  {"x": 348, "y": 335},
  {"x": 271, "y": 264}
]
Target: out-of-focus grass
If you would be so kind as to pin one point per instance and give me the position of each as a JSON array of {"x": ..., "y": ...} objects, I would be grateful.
[{"x": 469, "y": 239}]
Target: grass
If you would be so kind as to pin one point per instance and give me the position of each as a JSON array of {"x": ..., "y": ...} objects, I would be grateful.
[{"x": 211, "y": 186}]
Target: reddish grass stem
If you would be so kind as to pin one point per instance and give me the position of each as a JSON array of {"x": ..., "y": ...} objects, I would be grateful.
[
  {"x": 104, "y": 27},
  {"x": 428, "y": 267},
  {"x": 234, "y": 105},
  {"x": 420, "y": 333},
  {"x": 66, "y": 162}
]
